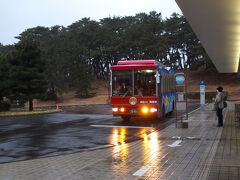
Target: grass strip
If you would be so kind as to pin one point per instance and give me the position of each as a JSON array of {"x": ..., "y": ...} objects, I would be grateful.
[{"x": 25, "y": 112}]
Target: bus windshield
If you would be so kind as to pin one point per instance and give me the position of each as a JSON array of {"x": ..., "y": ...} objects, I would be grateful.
[
  {"x": 122, "y": 83},
  {"x": 144, "y": 82}
]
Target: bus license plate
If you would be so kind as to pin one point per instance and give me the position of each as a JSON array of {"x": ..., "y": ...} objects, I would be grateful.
[{"x": 133, "y": 111}]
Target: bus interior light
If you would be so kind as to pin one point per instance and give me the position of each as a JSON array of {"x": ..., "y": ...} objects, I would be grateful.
[
  {"x": 115, "y": 109},
  {"x": 122, "y": 109},
  {"x": 149, "y": 71},
  {"x": 153, "y": 110}
]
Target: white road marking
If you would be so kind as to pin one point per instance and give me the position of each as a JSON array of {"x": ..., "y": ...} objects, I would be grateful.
[
  {"x": 110, "y": 126},
  {"x": 99, "y": 147},
  {"x": 191, "y": 137},
  {"x": 196, "y": 110},
  {"x": 176, "y": 137},
  {"x": 175, "y": 144},
  {"x": 142, "y": 171},
  {"x": 196, "y": 120}
]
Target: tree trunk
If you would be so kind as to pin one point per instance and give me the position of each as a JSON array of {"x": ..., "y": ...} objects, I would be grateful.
[{"x": 30, "y": 104}]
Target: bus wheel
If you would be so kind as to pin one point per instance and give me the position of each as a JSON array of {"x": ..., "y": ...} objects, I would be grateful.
[{"x": 126, "y": 118}]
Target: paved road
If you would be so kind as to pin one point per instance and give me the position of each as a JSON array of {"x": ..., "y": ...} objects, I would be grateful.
[{"x": 76, "y": 129}]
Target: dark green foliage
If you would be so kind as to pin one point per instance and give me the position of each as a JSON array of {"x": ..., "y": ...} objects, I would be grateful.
[
  {"x": 84, "y": 50},
  {"x": 83, "y": 93},
  {"x": 4, "y": 106},
  {"x": 184, "y": 48},
  {"x": 4, "y": 78},
  {"x": 49, "y": 96},
  {"x": 27, "y": 77},
  {"x": 4, "y": 50},
  {"x": 17, "y": 103},
  {"x": 81, "y": 78}
]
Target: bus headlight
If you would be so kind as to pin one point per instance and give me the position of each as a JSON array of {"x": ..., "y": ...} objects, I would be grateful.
[
  {"x": 145, "y": 110},
  {"x": 122, "y": 109},
  {"x": 115, "y": 109},
  {"x": 153, "y": 110}
]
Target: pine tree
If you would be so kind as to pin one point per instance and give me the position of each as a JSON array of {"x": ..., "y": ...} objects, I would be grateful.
[
  {"x": 4, "y": 82},
  {"x": 27, "y": 77}
]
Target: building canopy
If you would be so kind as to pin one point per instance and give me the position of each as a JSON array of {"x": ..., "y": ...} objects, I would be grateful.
[{"x": 217, "y": 25}]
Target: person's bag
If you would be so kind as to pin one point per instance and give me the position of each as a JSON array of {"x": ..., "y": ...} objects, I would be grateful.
[{"x": 224, "y": 104}]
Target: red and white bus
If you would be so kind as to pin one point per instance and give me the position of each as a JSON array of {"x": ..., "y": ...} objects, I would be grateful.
[{"x": 144, "y": 88}]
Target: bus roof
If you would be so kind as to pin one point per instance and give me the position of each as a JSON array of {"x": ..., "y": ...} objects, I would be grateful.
[
  {"x": 170, "y": 69},
  {"x": 141, "y": 64},
  {"x": 136, "y": 62}
]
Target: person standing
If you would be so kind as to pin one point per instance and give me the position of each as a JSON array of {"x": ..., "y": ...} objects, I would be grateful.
[{"x": 219, "y": 105}]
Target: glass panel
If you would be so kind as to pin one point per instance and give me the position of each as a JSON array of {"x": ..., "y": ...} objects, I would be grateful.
[
  {"x": 144, "y": 82},
  {"x": 122, "y": 83}
]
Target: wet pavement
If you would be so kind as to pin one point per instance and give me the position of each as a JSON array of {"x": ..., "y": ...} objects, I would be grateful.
[{"x": 78, "y": 128}]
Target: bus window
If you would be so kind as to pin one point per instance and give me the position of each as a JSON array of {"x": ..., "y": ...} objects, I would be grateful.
[
  {"x": 122, "y": 83},
  {"x": 144, "y": 82},
  {"x": 164, "y": 83},
  {"x": 168, "y": 83},
  {"x": 165, "y": 87}
]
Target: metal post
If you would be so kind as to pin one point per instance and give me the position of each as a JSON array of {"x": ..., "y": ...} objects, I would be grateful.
[{"x": 181, "y": 101}]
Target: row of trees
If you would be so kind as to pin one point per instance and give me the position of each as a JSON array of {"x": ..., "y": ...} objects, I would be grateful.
[
  {"x": 75, "y": 54},
  {"x": 22, "y": 74}
]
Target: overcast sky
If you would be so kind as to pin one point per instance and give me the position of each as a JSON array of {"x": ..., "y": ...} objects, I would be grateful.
[{"x": 19, "y": 15}]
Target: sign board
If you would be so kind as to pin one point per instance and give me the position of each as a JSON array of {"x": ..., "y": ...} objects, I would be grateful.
[
  {"x": 202, "y": 83},
  {"x": 202, "y": 92},
  {"x": 180, "y": 79}
]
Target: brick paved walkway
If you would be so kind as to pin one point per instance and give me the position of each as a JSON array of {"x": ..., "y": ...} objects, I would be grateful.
[
  {"x": 202, "y": 151},
  {"x": 226, "y": 164}
]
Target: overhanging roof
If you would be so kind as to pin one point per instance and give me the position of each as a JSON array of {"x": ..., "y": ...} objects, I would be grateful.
[{"x": 217, "y": 25}]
